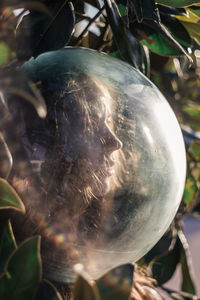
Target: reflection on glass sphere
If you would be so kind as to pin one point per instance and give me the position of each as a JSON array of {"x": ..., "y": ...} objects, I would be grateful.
[{"x": 106, "y": 165}]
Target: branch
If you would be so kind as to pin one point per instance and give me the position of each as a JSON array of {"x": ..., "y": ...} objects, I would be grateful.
[{"x": 82, "y": 35}]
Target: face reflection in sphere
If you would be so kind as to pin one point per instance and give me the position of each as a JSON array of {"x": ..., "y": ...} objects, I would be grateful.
[
  {"x": 92, "y": 137},
  {"x": 105, "y": 168},
  {"x": 80, "y": 162}
]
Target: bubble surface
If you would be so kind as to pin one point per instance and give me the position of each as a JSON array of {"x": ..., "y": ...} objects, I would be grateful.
[{"x": 102, "y": 174}]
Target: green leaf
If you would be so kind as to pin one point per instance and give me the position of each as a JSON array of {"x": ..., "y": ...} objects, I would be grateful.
[
  {"x": 190, "y": 190},
  {"x": 193, "y": 29},
  {"x": 190, "y": 17},
  {"x": 178, "y": 3},
  {"x": 85, "y": 291},
  {"x": 5, "y": 53},
  {"x": 7, "y": 244},
  {"x": 155, "y": 41},
  {"x": 164, "y": 266},
  {"x": 115, "y": 54},
  {"x": 192, "y": 110},
  {"x": 47, "y": 291},
  {"x": 145, "y": 10},
  {"x": 186, "y": 265},
  {"x": 160, "y": 39},
  {"x": 22, "y": 272},
  {"x": 38, "y": 32},
  {"x": 195, "y": 12},
  {"x": 172, "y": 10},
  {"x": 166, "y": 242},
  {"x": 122, "y": 9},
  {"x": 117, "y": 283},
  {"x": 194, "y": 150},
  {"x": 9, "y": 198},
  {"x": 128, "y": 46},
  {"x": 177, "y": 30},
  {"x": 168, "y": 37}
]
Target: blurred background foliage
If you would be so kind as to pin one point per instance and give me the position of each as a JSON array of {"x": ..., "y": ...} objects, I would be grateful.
[{"x": 162, "y": 40}]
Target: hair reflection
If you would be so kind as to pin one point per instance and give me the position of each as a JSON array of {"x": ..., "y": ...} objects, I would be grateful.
[
  {"x": 78, "y": 169},
  {"x": 74, "y": 154}
]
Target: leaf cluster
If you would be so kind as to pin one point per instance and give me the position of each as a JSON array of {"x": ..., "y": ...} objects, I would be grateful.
[
  {"x": 124, "y": 28},
  {"x": 21, "y": 269}
]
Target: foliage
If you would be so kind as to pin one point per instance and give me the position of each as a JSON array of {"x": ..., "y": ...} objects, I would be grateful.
[
  {"x": 163, "y": 34},
  {"x": 9, "y": 198}
]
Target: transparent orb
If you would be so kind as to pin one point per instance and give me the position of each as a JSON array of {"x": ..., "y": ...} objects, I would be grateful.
[{"x": 106, "y": 165}]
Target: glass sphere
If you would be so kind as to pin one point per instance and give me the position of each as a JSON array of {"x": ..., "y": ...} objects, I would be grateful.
[{"x": 106, "y": 165}]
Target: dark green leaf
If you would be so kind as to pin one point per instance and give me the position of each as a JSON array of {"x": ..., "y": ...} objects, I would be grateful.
[
  {"x": 138, "y": 10},
  {"x": 115, "y": 54},
  {"x": 85, "y": 291},
  {"x": 168, "y": 37},
  {"x": 123, "y": 7},
  {"x": 191, "y": 17},
  {"x": 145, "y": 9},
  {"x": 38, "y": 32},
  {"x": 154, "y": 40},
  {"x": 194, "y": 150},
  {"x": 9, "y": 198},
  {"x": 177, "y": 30},
  {"x": 186, "y": 265},
  {"x": 164, "y": 266},
  {"x": 195, "y": 10},
  {"x": 190, "y": 190},
  {"x": 163, "y": 9},
  {"x": 128, "y": 46},
  {"x": 123, "y": 10},
  {"x": 22, "y": 272},
  {"x": 47, "y": 291},
  {"x": 178, "y": 3},
  {"x": 7, "y": 244},
  {"x": 117, "y": 283},
  {"x": 166, "y": 242},
  {"x": 193, "y": 29}
]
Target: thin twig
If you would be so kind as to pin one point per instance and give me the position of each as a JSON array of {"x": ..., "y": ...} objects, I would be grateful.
[
  {"x": 82, "y": 35},
  {"x": 104, "y": 37},
  {"x": 106, "y": 33},
  {"x": 82, "y": 16},
  {"x": 104, "y": 45}
]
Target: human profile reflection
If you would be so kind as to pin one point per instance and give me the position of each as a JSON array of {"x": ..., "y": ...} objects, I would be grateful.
[{"x": 74, "y": 153}]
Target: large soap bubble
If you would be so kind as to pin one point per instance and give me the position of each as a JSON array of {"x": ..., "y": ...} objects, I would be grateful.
[{"x": 106, "y": 165}]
